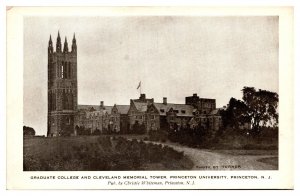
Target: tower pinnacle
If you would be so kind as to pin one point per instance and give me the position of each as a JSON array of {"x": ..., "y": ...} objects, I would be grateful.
[
  {"x": 74, "y": 45},
  {"x": 50, "y": 40},
  {"x": 58, "y": 43},
  {"x": 66, "y": 49},
  {"x": 50, "y": 47}
]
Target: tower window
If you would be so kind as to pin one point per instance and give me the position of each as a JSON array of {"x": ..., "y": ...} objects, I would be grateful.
[
  {"x": 62, "y": 71},
  {"x": 69, "y": 70}
]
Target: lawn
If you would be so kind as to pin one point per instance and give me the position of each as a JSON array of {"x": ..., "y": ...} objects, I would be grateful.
[{"x": 99, "y": 153}]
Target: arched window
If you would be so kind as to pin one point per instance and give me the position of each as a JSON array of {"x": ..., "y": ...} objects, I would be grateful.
[
  {"x": 64, "y": 100},
  {"x": 62, "y": 70},
  {"x": 69, "y": 71},
  {"x": 70, "y": 101},
  {"x": 65, "y": 70}
]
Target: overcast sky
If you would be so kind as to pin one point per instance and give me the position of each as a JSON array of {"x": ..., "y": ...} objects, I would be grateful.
[{"x": 173, "y": 57}]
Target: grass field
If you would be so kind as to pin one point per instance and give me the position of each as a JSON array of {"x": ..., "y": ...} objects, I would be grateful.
[
  {"x": 270, "y": 160},
  {"x": 99, "y": 153}
]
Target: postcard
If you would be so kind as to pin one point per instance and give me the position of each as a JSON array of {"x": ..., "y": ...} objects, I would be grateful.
[{"x": 150, "y": 98}]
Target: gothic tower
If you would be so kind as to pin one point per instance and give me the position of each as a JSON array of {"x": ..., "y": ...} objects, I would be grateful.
[{"x": 62, "y": 88}]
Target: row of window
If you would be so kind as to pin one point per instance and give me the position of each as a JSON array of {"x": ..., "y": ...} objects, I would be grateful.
[
  {"x": 141, "y": 117},
  {"x": 176, "y": 111}
]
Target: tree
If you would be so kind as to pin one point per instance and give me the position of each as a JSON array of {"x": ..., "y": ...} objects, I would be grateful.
[
  {"x": 235, "y": 114},
  {"x": 28, "y": 131},
  {"x": 261, "y": 107}
]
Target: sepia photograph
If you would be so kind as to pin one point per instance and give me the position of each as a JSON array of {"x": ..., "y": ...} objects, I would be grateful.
[
  {"x": 150, "y": 93},
  {"x": 150, "y": 98}
]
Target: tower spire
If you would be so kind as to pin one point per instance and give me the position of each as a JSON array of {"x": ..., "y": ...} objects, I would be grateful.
[
  {"x": 58, "y": 43},
  {"x": 50, "y": 46},
  {"x": 66, "y": 49},
  {"x": 74, "y": 46},
  {"x": 50, "y": 39}
]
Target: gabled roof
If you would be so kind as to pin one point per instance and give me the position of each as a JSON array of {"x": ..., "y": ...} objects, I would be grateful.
[
  {"x": 107, "y": 109},
  {"x": 183, "y": 110},
  {"x": 140, "y": 106},
  {"x": 123, "y": 109}
]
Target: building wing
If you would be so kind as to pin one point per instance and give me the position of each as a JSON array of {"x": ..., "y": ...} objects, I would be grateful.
[{"x": 180, "y": 109}]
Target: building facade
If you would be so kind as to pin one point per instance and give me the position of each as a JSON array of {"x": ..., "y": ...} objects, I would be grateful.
[
  {"x": 102, "y": 119},
  {"x": 143, "y": 115},
  {"x": 62, "y": 87}
]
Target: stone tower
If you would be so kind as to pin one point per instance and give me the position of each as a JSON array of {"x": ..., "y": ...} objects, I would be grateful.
[{"x": 62, "y": 88}]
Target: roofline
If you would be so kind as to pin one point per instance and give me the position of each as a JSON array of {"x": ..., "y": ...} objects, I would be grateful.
[{"x": 175, "y": 104}]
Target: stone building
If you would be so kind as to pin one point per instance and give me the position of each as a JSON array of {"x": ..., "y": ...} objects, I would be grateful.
[
  {"x": 105, "y": 119},
  {"x": 174, "y": 115},
  {"x": 120, "y": 114},
  {"x": 166, "y": 116},
  {"x": 62, "y": 87},
  {"x": 203, "y": 105},
  {"x": 66, "y": 117}
]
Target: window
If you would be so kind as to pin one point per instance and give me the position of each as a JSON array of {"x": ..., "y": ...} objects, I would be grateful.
[
  {"x": 152, "y": 125},
  {"x": 152, "y": 117},
  {"x": 62, "y": 71},
  {"x": 183, "y": 111},
  {"x": 176, "y": 111},
  {"x": 162, "y": 110},
  {"x": 68, "y": 121},
  {"x": 69, "y": 70}
]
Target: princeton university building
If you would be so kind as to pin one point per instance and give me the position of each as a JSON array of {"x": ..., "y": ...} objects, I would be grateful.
[{"x": 142, "y": 115}]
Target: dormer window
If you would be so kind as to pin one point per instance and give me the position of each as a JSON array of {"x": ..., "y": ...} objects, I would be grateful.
[
  {"x": 162, "y": 110},
  {"x": 183, "y": 111}
]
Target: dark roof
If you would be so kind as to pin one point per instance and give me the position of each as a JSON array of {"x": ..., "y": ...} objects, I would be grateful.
[
  {"x": 88, "y": 107},
  {"x": 123, "y": 109},
  {"x": 183, "y": 110},
  {"x": 96, "y": 107}
]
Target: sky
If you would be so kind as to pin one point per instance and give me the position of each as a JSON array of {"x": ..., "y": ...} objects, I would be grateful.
[{"x": 172, "y": 56}]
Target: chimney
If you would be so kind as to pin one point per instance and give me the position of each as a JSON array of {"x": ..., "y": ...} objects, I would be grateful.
[
  {"x": 143, "y": 96},
  {"x": 101, "y": 105},
  {"x": 195, "y": 95},
  {"x": 165, "y": 100}
]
